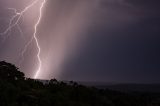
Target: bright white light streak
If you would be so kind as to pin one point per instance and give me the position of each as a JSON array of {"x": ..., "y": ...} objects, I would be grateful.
[
  {"x": 35, "y": 37},
  {"x": 16, "y": 18},
  {"x": 14, "y": 22}
]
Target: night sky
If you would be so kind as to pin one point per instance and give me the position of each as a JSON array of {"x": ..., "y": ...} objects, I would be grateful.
[{"x": 86, "y": 40}]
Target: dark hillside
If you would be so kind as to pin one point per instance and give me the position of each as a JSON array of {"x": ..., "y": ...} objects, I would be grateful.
[{"x": 15, "y": 90}]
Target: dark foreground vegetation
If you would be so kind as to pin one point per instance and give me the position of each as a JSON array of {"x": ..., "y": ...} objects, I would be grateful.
[{"x": 16, "y": 90}]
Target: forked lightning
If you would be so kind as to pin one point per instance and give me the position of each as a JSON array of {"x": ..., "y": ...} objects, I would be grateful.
[{"x": 14, "y": 22}]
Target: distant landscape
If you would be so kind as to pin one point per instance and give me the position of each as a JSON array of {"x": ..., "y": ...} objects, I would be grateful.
[{"x": 124, "y": 87}]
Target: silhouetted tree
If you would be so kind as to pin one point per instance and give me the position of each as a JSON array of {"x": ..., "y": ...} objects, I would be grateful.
[
  {"x": 10, "y": 72},
  {"x": 53, "y": 81}
]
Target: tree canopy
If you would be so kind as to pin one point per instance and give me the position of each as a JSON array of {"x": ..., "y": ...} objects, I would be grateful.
[
  {"x": 10, "y": 72},
  {"x": 16, "y": 90}
]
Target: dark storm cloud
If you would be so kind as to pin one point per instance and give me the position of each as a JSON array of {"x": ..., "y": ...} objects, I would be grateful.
[{"x": 123, "y": 45}]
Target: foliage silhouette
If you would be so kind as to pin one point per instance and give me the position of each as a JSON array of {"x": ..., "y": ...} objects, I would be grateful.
[
  {"x": 10, "y": 72},
  {"x": 16, "y": 90}
]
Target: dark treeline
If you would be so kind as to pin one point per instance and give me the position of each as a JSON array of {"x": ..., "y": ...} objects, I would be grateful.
[{"x": 16, "y": 90}]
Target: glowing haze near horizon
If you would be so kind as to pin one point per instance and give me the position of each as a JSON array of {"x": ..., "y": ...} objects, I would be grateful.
[
  {"x": 84, "y": 40},
  {"x": 55, "y": 39}
]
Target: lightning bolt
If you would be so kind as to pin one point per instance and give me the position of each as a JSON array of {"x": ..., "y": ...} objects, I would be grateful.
[
  {"x": 14, "y": 22},
  {"x": 35, "y": 37}
]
